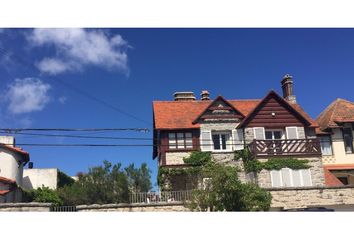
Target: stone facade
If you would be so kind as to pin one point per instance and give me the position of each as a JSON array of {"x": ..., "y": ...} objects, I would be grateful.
[
  {"x": 317, "y": 174},
  {"x": 25, "y": 207},
  {"x": 152, "y": 207},
  {"x": 221, "y": 125},
  {"x": 312, "y": 197},
  {"x": 176, "y": 158}
]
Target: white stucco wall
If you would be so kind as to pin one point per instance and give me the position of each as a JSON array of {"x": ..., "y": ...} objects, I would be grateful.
[
  {"x": 339, "y": 154},
  {"x": 36, "y": 177},
  {"x": 9, "y": 167}
]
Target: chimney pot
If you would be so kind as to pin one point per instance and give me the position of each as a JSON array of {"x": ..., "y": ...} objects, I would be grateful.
[
  {"x": 205, "y": 95},
  {"x": 287, "y": 86}
]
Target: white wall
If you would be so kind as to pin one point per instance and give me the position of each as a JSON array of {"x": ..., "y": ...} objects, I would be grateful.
[
  {"x": 9, "y": 167},
  {"x": 35, "y": 178},
  {"x": 341, "y": 157}
]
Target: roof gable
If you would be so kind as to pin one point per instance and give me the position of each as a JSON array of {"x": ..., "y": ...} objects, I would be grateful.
[
  {"x": 274, "y": 111},
  {"x": 220, "y": 108},
  {"x": 339, "y": 111}
]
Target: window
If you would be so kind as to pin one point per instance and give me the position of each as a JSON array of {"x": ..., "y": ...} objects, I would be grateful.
[
  {"x": 287, "y": 177},
  {"x": 221, "y": 141},
  {"x": 180, "y": 140},
  {"x": 326, "y": 146},
  {"x": 274, "y": 134},
  {"x": 348, "y": 140}
]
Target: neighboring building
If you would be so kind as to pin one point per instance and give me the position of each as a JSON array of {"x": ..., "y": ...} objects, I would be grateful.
[
  {"x": 36, "y": 178},
  {"x": 12, "y": 161},
  {"x": 337, "y": 130},
  {"x": 274, "y": 126}
]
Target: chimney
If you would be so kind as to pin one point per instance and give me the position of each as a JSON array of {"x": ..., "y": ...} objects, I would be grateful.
[
  {"x": 184, "y": 96},
  {"x": 7, "y": 140},
  {"x": 287, "y": 86},
  {"x": 205, "y": 95}
]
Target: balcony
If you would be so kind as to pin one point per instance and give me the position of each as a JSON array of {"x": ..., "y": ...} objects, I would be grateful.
[{"x": 286, "y": 147}]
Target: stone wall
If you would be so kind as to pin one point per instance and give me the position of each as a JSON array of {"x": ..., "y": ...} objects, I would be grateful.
[
  {"x": 312, "y": 197},
  {"x": 143, "y": 207},
  {"x": 317, "y": 174},
  {"x": 176, "y": 158},
  {"x": 25, "y": 207},
  {"x": 227, "y": 158}
]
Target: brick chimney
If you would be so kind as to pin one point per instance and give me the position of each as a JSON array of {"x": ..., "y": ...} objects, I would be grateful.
[
  {"x": 287, "y": 86},
  {"x": 184, "y": 96},
  {"x": 205, "y": 95}
]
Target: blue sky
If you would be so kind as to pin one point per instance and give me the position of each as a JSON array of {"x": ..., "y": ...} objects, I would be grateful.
[{"x": 129, "y": 68}]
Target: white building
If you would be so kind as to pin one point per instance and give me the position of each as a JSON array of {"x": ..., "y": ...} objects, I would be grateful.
[{"x": 12, "y": 161}]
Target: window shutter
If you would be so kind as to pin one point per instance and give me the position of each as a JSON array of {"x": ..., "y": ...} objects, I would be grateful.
[
  {"x": 275, "y": 177},
  {"x": 306, "y": 177},
  {"x": 297, "y": 178},
  {"x": 205, "y": 141},
  {"x": 292, "y": 133},
  {"x": 259, "y": 133},
  {"x": 237, "y": 136},
  {"x": 286, "y": 177}
]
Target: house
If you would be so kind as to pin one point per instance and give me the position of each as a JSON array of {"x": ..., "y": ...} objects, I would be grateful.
[
  {"x": 336, "y": 134},
  {"x": 12, "y": 161},
  {"x": 271, "y": 127}
]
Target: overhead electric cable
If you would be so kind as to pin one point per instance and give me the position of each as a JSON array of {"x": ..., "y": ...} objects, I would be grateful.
[{"x": 29, "y": 65}]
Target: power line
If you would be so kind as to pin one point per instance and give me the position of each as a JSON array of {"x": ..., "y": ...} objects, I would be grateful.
[
  {"x": 79, "y": 136},
  {"x": 27, "y": 64},
  {"x": 9, "y": 130}
]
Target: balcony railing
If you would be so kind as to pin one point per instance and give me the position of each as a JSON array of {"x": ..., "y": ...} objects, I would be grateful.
[
  {"x": 288, "y": 147},
  {"x": 160, "y": 197}
]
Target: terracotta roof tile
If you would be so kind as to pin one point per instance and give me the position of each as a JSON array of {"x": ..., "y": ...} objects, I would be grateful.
[
  {"x": 338, "y": 111},
  {"x": 330, "y": 178},
  {"x": 4, "y": 192},
  {"x": 181, "y": 114},
  {"x": 17, "y": 150},
  {"x": 7, "y": 180}
]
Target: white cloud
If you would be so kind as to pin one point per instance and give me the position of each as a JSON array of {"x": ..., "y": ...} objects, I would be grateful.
[
  {"x": 62, "y": 99},
  {"x": 54, "y": 66},
  {"x": 76, "y": 48},
  {"x": 27, "y": 95}
]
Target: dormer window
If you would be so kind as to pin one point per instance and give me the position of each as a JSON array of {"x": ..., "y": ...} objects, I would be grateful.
[
  {"x": 222, "y": 141},
  {"x": 180, "y": 140}
]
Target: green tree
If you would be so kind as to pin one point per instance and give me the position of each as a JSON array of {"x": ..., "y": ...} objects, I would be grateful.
[
  {"x": 139, "y": 178},
  {"x": 223, "y": 191},
  {"x": 101, "y": 185},
  {"x": 43, "y": 194}
]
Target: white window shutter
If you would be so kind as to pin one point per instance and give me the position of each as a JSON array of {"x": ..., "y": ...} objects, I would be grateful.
[
  {"x": 286, "y": 177},
  {"x": 237, "y": 136},
  {"x": 275, "y": 177},
  {"x": 306, "y": 177},
  {"x": 292, "y": 133},
  {"x": 297, "y": 182},
  {"x": 206, "y": 142},
  {"x": 259, "y": 133}
]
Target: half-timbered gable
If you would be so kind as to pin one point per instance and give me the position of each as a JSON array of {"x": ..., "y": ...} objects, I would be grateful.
[{"x": 219, "y": 109}]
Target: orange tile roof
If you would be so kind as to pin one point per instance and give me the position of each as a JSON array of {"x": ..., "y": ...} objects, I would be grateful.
[
  {"x": 17, "y": 150},
  {"x": 330, "y": 178},
  {"x": 7, "y": 180},
  {"x": 181, "y": 114},
  {"x": 4, "y": 192},
  {"x": 338, "y": 111}
]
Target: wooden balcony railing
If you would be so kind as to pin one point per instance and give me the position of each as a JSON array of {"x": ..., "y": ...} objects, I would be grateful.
[{"x": 288, "y": 147}]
